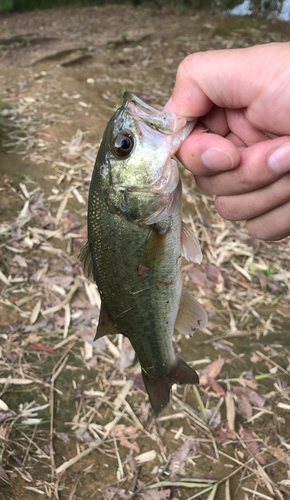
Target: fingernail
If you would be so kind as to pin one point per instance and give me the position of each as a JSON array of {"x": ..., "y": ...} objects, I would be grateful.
[
  {"x": 279, "y": 161},
  {"x": 167, "y": 105},
  {"x": 217, "y": 159}
]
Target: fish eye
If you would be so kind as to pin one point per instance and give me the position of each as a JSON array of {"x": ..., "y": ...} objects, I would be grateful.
[{"x": 123, "y": 145}]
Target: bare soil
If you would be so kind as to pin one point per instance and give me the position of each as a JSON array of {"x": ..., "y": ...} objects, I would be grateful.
[{"x": 75, "y": 420}]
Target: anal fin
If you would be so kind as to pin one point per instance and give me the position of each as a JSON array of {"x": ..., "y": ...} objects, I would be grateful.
[
  {"x": 191, "y": 315},
  {"x": 105, "y": 324},
  {"x": 190, "y": 248},
  {"x": 159, "y": 389},
  {"x": 181, "y": 373}
]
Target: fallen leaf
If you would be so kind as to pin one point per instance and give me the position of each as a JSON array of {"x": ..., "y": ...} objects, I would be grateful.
[
  {"x": 279, "y": 454},
  {"x": 137, "y": 379},
  {"x": 127, "y": 444},
  {"x": 244, "y": 404},
  {"x": 153, "y": 494},
  {"x": 217, "y": 388},
  {"x": 199, "y": 278},
  {"x": 121, "y": 431},
  {"x": 83, "y": 435},
  {"x": 63, "y": 281},
  {"x": 213, "y": 274},
  {"x": 223, "y": 435},
  {"x": 253, "y": 446},
  {"x": 41, "y": 347},
  {"x": 211, "y": 453},
  {"x": 3, "y": 475},
  {"x": 255, "y": 398},
  {"x": 21, "y": 261},
  {"x": 217, "y": 419},
  {"x": 177, "y": 462},
  {"x": 62, "y": 436},
  {"x": 41, "y": 325},
  {"x": 211, "y": 371},
  {"x": 110, "y": 492}
]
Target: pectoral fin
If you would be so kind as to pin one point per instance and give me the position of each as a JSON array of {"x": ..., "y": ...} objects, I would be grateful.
[
  {"x": 191, "y": 315},
  {"x": 190, "y": 248},
  {"x": 153, "y": 249},
  {"x": 105, "y": 325},
  {"x": 85, "y": 256},
  {"x": 161, "y": 209},
  {"x": 159, "y": 389}
]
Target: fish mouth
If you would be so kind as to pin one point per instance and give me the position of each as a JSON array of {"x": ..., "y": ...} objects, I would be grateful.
[{"x": 166, "y": 122}]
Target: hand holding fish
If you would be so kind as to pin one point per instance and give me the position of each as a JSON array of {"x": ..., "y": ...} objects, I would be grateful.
[{"x": 243, "y": 99}]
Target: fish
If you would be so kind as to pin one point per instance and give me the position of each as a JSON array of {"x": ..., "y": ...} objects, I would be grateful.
[{"x": 136, "y": 241}]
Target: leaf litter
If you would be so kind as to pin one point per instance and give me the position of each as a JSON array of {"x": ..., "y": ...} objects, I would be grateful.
[{"x": 72, "y": 404}]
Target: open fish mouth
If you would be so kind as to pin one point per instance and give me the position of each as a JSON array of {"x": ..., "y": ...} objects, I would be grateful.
[{"x": 166, "y": 122}]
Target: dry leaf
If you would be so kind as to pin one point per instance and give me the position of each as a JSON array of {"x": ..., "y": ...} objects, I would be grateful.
[
  {"x": 223, "y": 435},
  {"x": 244, "y": 404},
  {"x": 255, "y": 398},
  {"x": 199, "y": 278},
  {"x": 253, "y": 446},
  {"x": 217, "y": 419},
  {"x": 63, "y": 281},
  {"x": 279, "y": 454},
  {"x": 3, "y": 475},
  {"x": 41, "y": 347},
  {"x": 154, "y": 494},
  {"x": 177, "y": 462},
  {"x": 213, "y": 273},
  {"x": 211, "y": 371},
  {"x": 113, "y": 492},
  {"x": 217, "y": 388},
  {"x": 121, "y": 431},
  {"x": 146, "y": 457}
]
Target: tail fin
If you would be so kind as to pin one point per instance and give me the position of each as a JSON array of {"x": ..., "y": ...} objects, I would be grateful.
[{"x": 159, "y": 389}]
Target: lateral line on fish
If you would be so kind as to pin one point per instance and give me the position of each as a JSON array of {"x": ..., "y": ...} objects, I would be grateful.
[
  {"x": 127, "y": 310},
  {"x": 143, "y": 290}
]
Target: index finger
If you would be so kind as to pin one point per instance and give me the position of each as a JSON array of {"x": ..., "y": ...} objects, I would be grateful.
[{"x": 231, "y": 78}]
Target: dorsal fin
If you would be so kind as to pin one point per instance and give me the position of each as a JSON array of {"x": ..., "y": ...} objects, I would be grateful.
[
  {"x": 191, "y": 315},
  {"x": 105, "y": 325},
  {"x": 85, "y": 256},
  {"x": 190, "y": 248}
]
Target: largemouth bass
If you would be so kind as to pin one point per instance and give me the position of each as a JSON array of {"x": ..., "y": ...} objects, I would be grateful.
[{"x": 136, "y": 240}]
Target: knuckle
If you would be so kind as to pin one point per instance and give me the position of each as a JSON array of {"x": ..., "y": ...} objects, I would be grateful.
[
  {"x": 257, "y": 229},
  {"x": 203, "y": 183},
  {"x": 225, "y": 207},
  {"x": 186, "y": 66}
]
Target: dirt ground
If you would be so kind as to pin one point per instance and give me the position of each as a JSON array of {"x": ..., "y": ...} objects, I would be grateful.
[{"x": 75, "y": 422}]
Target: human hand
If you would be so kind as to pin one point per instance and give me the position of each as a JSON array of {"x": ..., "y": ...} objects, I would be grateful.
[{"x": 243, "y": 99}]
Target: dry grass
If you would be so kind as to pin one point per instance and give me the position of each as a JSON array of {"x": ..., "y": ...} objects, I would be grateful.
[{"x": 75, "y": 421}]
